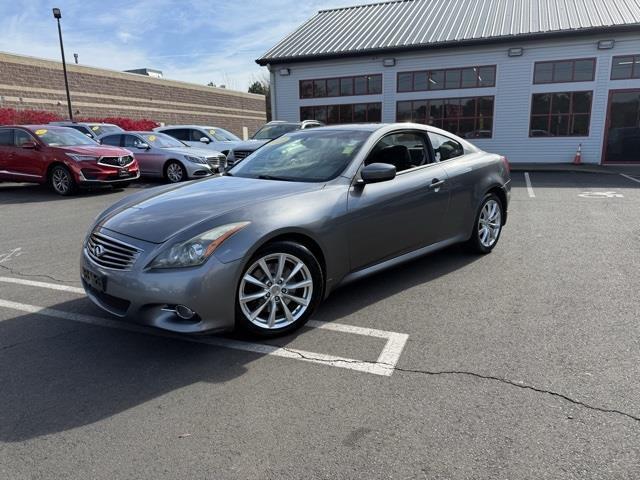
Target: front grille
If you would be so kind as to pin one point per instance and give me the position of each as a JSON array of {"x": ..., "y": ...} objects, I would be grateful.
[
  {"x": 241, "y": 154},
  {"x": 218, "y": 161},
  {"x": 116, "y": 161},
  {"x": 111, "y": 253}
]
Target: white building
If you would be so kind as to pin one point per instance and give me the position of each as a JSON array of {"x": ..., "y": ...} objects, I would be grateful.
[{"x": 530, "y": 79}]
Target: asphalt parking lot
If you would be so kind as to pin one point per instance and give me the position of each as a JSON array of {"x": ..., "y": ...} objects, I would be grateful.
[{"x": 516, "y": 365}]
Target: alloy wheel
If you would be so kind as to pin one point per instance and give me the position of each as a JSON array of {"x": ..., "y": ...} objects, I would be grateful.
[
  {"x": 61, "y": 181},
  {"x": 174, "y": 172},
  {"x": 489, "y": 223},
  {"x": 275, "y": 291}
]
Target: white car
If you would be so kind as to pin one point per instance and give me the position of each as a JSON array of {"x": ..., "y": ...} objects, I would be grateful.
[{"x": 214, "y": 138}]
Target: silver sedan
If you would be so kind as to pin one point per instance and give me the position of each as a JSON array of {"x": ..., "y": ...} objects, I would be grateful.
[
  {"x": 160, "y": 155},
  {"x": 261, "y": 246}
]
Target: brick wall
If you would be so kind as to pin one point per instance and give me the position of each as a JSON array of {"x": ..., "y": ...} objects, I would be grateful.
[{"x": 30, "y": 83}]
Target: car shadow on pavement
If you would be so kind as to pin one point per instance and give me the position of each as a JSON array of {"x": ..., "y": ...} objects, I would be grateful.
[
  {"x": 59, "y": 375},
  {"x": 16, "y": 193}
]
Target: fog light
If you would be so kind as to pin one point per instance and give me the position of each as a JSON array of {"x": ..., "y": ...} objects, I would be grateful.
[{"x": 185, "y": 313}]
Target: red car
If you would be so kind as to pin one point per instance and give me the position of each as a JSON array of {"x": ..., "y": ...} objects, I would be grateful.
[{"x": 62, "y": 157}]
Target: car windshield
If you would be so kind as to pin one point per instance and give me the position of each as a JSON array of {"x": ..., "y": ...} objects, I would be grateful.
[
  {"x": 222, "y": 135},
  {"x": 269, "y": 132},
  {"x": 104, "y": 129},
  {"x": 305, "y": 156},
  {"x": 62, "y": 137},
  {"x": 161, "y": 140}
]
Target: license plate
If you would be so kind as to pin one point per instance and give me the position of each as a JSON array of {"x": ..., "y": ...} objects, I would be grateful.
[
  {"x": 123, "y": 173},
  {"x": 94, "y": 280}
]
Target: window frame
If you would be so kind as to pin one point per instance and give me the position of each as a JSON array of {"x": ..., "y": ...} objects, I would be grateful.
[
  {"x": 475, "y": 117},
  {"x": 633, "y": 67},
  {"x": 571, "y": 114},
  {"x": 338, "y": 105},
  {"x": 352, "y": 78},
  {"x": 444, "y": 72},
  {"x": 573, "y": 70}
]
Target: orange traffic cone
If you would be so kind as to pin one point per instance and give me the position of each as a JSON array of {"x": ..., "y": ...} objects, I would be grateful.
[{"x": 577, "y": 160}]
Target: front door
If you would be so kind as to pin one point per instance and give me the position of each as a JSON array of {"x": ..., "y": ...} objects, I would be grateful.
[
  {"x": 390, "y": 218},
  {"x": 622, "y": 138}
]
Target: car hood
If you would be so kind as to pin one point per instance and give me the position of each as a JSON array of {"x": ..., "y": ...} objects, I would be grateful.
[
  {"x": 250, "y": 145},
  {"x": 97, "y": 150},
  {"x": 158, "y": 216},
  {"x": 193, "y": 151}
]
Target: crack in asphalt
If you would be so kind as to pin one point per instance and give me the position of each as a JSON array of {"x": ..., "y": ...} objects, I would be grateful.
[
  {"x": 505, "y": 381},
  {"x": 41, "y": 275}
]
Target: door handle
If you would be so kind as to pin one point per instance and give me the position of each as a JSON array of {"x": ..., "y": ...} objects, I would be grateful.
[{"x": 436, "y": 183}]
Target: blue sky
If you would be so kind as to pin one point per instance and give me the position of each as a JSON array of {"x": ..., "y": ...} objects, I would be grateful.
[{"x": 192, "y": 40}]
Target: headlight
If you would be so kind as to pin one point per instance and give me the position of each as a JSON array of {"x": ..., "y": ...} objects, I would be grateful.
[
  {"x": 196, "y": 159},
  {"x": 83, "y": 158},
  {"x": 196, "y": 251}
]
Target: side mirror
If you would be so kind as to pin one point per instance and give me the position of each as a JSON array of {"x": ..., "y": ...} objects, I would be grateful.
[
  {"x": 378, "y": 172},
  {"x": 143, "y": 146},
  {"x": 205, "y": 140},
  {"x": 30, "y": 145}
]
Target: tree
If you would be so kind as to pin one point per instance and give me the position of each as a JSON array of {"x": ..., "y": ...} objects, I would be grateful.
[
  {"x": 258, "y": 87},
  {"x": 261, "y": 86}
]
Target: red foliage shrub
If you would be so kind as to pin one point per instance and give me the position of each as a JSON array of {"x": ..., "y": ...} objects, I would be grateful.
[
  {"x": 125, "y": 123},
  {"x": 11, "y": 116}
]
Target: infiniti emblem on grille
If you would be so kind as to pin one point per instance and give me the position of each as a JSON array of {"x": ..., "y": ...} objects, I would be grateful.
[
  {"x": 98, "y": 251},
  {"x": 122, "y": 161}
]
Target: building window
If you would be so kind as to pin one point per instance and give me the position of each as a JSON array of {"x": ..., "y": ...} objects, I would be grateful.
[
  {"x": 449, "y": 79},
  {"x": 346, "y": 113},
  {"x": 581, "y": 70},
  {"x": 341, "y": 87},
  {"x": 468, "y": 117},
  {"x": 626, "y": 67},
  {"x": 564, "y": 114}
]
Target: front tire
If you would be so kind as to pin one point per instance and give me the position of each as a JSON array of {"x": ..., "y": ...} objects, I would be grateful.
[
  {"x": 279, "y": 290},
  {"x": 488, "y": 224},
  {"x": 174, "y": 172},
  {"x": 61, "y": 181}
]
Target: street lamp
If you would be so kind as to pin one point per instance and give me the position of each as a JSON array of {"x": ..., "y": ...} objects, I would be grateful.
[{"x": 57, "y": 14}]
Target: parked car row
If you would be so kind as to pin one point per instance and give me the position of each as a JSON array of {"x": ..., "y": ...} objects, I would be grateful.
[{"x": 68, "y": 155}]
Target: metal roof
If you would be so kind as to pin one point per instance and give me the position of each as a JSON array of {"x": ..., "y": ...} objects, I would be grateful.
[{"x": 413, "y": 24}]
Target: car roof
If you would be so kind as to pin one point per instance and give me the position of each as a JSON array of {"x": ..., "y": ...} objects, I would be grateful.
[
  {"x": 187, "y": 126},
  {"x": 44, "y": 126},
  {"x": 64, "y": 123}
]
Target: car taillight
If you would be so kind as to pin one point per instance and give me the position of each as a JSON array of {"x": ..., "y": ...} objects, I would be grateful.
[{"x": 506, "y": 164}]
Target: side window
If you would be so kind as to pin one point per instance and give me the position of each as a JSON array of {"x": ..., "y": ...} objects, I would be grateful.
[
  {"x": 6, "y": 137},
  {"x": 178, "y": 133},
  {"x": 22, "y": 137},
  {"x": 445, "y": 147},
  {"x": 404, "y": 150},
  {"x": 83, "y": 129},
  {"x": 113, "y": 140},
  {"x": 131, "y": 141},
  {"x": 196, "y": 135}
]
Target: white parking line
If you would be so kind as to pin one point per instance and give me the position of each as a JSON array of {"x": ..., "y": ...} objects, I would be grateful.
[
  {"x": 529, "y": 187},
  {"x": 51, "y": 286},
  {"x": 637, "y": 180},
  {"x": 384, "y": 365}
]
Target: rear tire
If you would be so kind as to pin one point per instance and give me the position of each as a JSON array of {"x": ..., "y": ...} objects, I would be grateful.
[
  {"x": 61, "y": 181},
  {"x": 174, "y": 172},
  {"x": 488, "y": 225},
  {"x": 282, "y": 298}
]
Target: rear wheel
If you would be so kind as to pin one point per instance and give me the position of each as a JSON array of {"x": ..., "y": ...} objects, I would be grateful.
[
  {"x": 62, "y": 181},
  {"x": 279, "y": 290},
  {"x": 174, "y": 172},
  {"x": 488, "y": 224}
]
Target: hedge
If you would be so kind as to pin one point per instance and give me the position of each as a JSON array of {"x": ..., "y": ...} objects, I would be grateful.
[{"x": 11, "y": 116}]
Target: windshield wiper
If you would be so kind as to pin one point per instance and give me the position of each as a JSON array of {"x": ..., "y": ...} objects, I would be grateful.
[{"x": 274, "y": 177}]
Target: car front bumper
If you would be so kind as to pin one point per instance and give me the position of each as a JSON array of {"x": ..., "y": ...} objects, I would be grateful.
[
  {"x": 98, "y": 174},
  {"x": 149, "y": 297},
  {"x": 199, "y": 170}
]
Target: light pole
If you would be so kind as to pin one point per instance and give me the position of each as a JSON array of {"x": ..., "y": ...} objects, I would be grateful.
[{"x": 57, "y": 14}]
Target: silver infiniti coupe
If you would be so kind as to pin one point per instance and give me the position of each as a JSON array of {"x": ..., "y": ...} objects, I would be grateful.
[{"x": 261, "y": 246}]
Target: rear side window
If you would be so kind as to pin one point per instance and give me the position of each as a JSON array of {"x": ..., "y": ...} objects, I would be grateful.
[
  {"x": 132, "y": 141},
  {"x": 179, "y": 133},
  {"x": 113, "y": 140},
  {"x": 82, "y": 129},
  {"x": 445, "y": 147},
  {"x": 22, "y": 137},
  {"x": 6, "y": 137}
]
